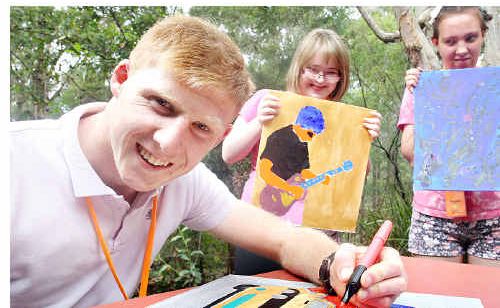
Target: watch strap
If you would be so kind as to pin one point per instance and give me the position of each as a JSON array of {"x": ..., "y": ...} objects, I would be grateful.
[{"x": 324, "y": 273}]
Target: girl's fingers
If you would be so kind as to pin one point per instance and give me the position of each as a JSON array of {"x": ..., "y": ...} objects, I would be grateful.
[
  {"x": 373, "y": 134},
  {"x": 372, "y": 124},
  {"x": 268, "y": 108},
  {"x": 270, "y": 101},
  {"x": 264, "y": 119},
  {"x": 411, "y": 78},
  {"x": 268, "y": 111}
]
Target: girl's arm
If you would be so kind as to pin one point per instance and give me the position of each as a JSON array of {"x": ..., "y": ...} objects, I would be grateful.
[
  {"x": 244, "y": 135},
  {"x": 240, "y": 141},
  {"x": 407, "y": 143},
  {"x": 407, "y": 138}
]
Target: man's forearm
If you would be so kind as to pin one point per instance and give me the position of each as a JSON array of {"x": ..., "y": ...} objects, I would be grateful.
[
  {"x": 300, "y": 250},
  {"x": 304, "y": 251}
]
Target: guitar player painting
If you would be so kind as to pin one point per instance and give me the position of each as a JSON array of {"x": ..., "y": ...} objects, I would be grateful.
[{"x": 312, "y": 163}]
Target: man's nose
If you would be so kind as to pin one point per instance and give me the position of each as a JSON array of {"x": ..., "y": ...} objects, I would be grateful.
[{"x": 173, "y": 134}]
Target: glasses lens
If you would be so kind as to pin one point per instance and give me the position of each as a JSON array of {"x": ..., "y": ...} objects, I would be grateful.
[
  {"x": 315, "y": 73},
  {"x": 332, "y": 77}
]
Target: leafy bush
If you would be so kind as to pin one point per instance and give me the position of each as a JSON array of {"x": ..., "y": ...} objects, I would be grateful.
[{"x": 188, "y": 259}]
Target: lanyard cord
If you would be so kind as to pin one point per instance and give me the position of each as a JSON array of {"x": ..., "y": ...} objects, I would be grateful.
[{"x": 147, "y": 253}]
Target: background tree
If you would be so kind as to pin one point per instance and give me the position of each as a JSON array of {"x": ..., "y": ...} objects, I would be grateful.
[
  {"x": 492, "y": 46},
  {"x": 63, "y": 57},
  {"x": 415, "y": 31}
]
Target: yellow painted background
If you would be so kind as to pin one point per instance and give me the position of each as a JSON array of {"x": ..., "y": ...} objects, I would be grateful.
[{"x": 336, "y": 206}]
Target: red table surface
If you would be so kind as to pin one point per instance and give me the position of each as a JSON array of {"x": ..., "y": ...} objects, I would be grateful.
[{"x": 424, "y": 276}]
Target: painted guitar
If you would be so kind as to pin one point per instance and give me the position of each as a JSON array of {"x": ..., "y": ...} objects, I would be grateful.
[{"x": 278, "y": 201}]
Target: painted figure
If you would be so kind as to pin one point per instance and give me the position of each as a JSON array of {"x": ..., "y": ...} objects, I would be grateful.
[{"x": 284, "y": 163}]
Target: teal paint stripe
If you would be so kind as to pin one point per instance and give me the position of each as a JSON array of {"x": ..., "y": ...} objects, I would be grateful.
[{"x": 239, "y": 301}]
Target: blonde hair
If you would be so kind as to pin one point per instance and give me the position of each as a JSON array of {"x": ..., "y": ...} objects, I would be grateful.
[
  {"x": 198, "y": 54},
  {"x": 328, "y": 45}
]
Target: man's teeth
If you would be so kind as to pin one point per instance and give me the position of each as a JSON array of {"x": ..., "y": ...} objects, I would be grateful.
[{"x": 150, "y": 159}]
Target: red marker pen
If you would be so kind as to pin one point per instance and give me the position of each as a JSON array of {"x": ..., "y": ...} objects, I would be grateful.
[{"x": 371, "y": 254}]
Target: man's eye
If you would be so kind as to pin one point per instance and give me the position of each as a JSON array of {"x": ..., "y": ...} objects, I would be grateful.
[
  {"x": 201, "y": 126},
  {"x": 162, "y": 102},
  {"x": 162, "y": 105}
]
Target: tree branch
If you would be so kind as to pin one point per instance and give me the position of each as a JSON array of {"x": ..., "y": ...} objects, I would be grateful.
[
  {"x": 385, "y": 37},
  {"x": 118, "y": 25}
]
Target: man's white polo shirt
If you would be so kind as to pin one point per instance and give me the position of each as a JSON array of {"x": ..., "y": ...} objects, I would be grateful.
[{"x": 56, "y": 260}]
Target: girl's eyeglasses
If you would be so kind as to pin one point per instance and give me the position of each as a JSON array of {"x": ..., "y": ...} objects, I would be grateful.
[{"x": 315, "y": 73}]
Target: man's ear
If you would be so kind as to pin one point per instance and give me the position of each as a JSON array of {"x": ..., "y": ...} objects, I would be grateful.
[
  {"x": 119, "y": 76},
  {"x": 435, "y": 41}
]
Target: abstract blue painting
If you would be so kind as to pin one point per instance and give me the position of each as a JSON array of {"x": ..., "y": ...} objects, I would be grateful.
[{"x": 457, "y": 130}]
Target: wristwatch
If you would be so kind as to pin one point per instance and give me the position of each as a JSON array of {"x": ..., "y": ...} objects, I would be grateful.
[{"x": 324, "y": 273}]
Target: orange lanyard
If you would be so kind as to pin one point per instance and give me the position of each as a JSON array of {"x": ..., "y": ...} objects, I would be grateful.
[{"x": 147, "y": 253}]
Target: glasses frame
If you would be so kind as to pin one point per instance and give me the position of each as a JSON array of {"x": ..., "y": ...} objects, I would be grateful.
[{"x": 315, "y": 74}]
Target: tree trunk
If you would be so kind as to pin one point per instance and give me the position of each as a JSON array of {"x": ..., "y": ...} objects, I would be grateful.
[
  {"x": 418, "y": 48},
  {"x": 492, "y": 39}
]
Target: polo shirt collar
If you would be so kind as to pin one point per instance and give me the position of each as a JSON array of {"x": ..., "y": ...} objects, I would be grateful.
[{"x": 84, "y": 179}]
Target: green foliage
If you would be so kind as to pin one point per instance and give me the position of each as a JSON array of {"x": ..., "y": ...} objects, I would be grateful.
[
  {"x": 62, "y": 57},
  {"x": 189, "y": 258},
  {"x": 35, "y": 51},
  {"x": 398, "y": 211},
  {"x": 178, "y": 268}
]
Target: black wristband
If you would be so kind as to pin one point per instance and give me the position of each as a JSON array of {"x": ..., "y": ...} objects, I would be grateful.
[{"x": 324, "y": 273}]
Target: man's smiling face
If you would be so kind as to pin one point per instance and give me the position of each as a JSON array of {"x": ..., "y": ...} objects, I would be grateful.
[{"x": 160, "y": 129}]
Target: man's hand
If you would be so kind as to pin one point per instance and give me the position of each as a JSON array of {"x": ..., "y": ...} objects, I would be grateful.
[{"x": 381, "y": 283}]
